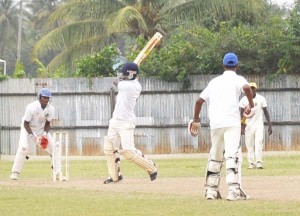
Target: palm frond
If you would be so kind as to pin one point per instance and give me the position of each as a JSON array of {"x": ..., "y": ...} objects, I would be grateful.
[
  {"x": 69, "y": 56},
  {"x": 197, "y": 10},
  {"x": 127, "y": 20},
  {"x": 84, "y": 9},
  {"x": 61, "y": 38}
]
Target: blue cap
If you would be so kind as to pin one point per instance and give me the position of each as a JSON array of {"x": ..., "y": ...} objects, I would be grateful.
[
  {"x": 230, "y": 60},
  {"x": 45, "y": 92}
]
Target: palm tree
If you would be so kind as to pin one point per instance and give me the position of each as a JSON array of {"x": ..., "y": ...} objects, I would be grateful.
[
  {"x": 8, "y": 24},
  {"x": 85, "y": 26},
  {"x": 41, "y": 10}
]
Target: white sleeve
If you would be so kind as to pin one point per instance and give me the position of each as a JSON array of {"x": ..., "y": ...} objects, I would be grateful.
[
  {"x": 50, "y": 113},
  {"x": 243, "y": 102},
  {"x": 205, "y": 93},
  {"x": 242, "y": 82},
  {"x": 28, "y": 113},
  {"x": 263, "y": 102}
]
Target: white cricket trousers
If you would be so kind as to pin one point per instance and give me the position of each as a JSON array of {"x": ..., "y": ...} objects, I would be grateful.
[
  {"x": 254, "y": 143},
  {"x": 121, "y": 132},
  {"x": 23, "y": 149},
  {"x": 225, "y": 139},
  {"x": 225, "y": 144}
]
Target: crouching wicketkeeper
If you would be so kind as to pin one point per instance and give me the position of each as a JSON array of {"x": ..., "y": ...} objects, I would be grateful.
[{"x": 34, "y": 129}]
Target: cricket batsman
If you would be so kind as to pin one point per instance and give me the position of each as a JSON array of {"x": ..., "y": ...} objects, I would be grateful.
[{"x": 121, "y": 127}]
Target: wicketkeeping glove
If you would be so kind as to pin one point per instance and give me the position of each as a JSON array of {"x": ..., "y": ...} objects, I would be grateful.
[
  {"x": 194, "y": 128},
  {"x": 44, "y": 142}
]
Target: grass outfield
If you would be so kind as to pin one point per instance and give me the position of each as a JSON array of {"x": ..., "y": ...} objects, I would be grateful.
[{"x": 46, "y": 199}]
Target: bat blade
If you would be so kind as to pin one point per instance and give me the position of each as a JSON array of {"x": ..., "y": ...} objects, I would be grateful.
[{"x": 148, "y": 48}]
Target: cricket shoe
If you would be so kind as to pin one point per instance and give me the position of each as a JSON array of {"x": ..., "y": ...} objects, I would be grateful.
[
  {"x": 153, "y": 176},
  {"x": 251, "y": 166},
  {"x": 234, "y": 195},
  {"x": 212, "y": 195},
  {"x": 259, "y": 165},
  {"x": 110, "y": 180},
  {"x": 14, "y": 176}
]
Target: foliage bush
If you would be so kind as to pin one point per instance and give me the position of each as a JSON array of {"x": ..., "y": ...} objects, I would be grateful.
[
  {"x": 263, "y": 49},
  {"x": 3, "y": 77},
  {"x": 19, "y": 70},
  {"x": 98, "y": 64}
]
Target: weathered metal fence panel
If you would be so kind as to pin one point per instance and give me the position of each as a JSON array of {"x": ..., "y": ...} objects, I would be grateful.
[{"x": 84, "y": 107}]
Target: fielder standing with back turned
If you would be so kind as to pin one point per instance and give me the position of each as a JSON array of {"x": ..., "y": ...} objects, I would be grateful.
[
  {"x": 222, "y": 95},
  {"x": 121, "y": 127}
]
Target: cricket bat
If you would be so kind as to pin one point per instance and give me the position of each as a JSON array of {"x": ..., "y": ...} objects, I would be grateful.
[{"x": 148, "y": 48}]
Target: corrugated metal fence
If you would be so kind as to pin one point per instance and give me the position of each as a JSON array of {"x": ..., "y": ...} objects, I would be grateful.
[{"x": 84, "y": 107}]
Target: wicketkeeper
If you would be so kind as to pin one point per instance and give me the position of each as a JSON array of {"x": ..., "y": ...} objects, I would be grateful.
[
  {"x": 121, "y": 127},
  {"x": 35, "y": 129}
]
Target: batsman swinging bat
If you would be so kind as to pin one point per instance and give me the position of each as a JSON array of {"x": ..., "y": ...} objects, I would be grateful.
[{"x": 147, "y": 49}]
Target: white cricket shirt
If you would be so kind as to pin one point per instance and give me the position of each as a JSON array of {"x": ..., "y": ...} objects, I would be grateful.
[
  {"x": 36, "y": 116},
  {"x": 259, "y": 103},
  {"x": 222, "y": 95},
  {"x": 128, "y": 93}
]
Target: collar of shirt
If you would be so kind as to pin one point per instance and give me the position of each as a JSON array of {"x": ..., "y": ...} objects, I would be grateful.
[{"x": 229, "y": 72}]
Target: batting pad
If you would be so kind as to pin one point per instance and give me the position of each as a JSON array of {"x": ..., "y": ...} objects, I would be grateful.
[
  {"x": 232, "y": 176},
  {"x": 212, "y": 176},
  {"x": 139, "y": 160},
  {"x": 112, "y": 160}
]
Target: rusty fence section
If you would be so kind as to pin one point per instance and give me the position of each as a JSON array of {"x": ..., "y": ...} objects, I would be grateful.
[{"x": 84, "y": 108}]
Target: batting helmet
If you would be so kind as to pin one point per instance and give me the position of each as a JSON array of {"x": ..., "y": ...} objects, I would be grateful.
[
  {"x": 129, "y": 71},
  {"x": 45, "y": 92}
]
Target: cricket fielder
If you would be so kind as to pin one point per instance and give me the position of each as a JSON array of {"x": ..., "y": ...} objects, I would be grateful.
[
  {"x": 121, "y": 127},
  {"x": 35, "y": 129},
  {"x": 254, "y": 128}
]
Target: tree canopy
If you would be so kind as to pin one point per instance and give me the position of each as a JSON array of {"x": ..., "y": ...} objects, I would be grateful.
[{"x": 198, "y": 33}]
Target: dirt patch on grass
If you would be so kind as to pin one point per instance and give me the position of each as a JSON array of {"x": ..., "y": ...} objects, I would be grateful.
[{"x": 281, "y": 188}]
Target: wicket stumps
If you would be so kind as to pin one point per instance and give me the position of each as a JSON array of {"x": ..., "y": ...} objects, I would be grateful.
[{"x": 60, "y": 139}]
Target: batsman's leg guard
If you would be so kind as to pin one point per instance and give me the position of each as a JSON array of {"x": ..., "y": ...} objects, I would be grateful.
[
  {"x": 212, "y": 178},
  {"x": 235, "y": 192},
  {"x": 18, "y": 162},
  {"x": 138, "y": 158},
  {"x": 113, "y": 162},
  {"x": 56, "y": 161}
]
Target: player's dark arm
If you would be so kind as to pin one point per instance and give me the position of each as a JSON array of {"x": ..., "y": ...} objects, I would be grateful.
[
  {"x": 268, "y": 120},
  {"x": 27, "y": 127},
  {"x": 47, "y": 126},
  {"x": 197, "y": 109},
  {"x": 248, "y": 93}
]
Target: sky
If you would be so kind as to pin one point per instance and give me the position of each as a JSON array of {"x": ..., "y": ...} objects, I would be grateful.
[{"x": 283, "y": 2}]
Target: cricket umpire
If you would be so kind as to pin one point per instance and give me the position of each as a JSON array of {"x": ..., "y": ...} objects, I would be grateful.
[{"x": 222, "y": 95}]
